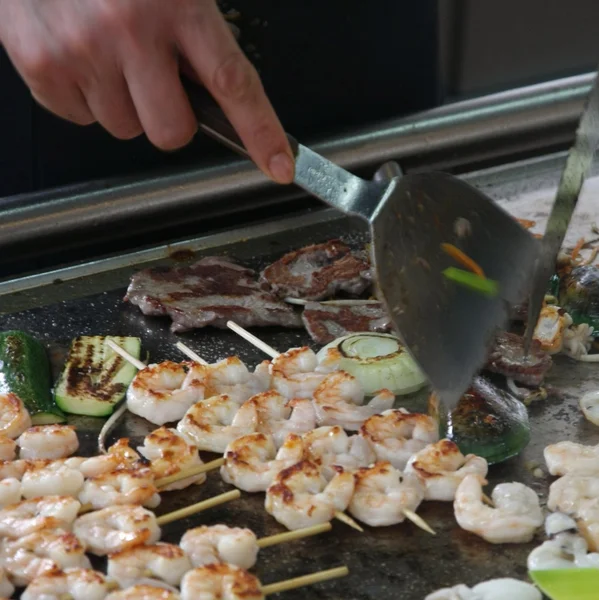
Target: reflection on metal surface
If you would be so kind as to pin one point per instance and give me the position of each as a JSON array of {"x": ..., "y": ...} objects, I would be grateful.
[{"x": 455, "y": 132}]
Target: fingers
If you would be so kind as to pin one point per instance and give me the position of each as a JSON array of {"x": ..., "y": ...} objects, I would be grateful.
[{"x": 210, "y": 47}]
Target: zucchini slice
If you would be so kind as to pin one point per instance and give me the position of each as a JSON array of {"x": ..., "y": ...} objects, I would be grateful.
[
  {"x": 25, "y": 372},
  {"x": 95, "y": 379}
]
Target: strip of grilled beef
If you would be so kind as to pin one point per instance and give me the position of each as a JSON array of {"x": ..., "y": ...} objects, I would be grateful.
[
  {"x": 326, "y": 322},
  {"x": 508, "y": 358},
  {"x": 317, "y": 272},
  {"x": 212, "y": 291}
]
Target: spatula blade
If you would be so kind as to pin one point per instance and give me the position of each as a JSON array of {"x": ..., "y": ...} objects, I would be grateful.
[{"x": 447, "y": 328}]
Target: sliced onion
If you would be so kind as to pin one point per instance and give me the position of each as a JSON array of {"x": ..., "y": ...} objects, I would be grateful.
[{"x": 377, "y": 360}]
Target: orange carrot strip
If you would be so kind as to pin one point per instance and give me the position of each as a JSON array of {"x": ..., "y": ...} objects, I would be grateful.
[
  {"x": 577, "y": 248},
  {"x": 463, "y": 259}
]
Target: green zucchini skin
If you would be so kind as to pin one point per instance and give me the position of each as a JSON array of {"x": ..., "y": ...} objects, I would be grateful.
[
  {"x": 95, "y": 379},
  {"x": 25, "y": 371}
]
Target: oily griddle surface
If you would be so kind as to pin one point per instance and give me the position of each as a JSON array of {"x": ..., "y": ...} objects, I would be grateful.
[{"x": 385, "y": 563}]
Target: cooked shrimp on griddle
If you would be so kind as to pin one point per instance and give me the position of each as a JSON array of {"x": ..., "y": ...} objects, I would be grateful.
[
  {"x": 40, "y": 553},
  {"x": 220, "y": 544},
  {"x": 12, "y": 468},
  {"x": 220, "y": 582},
  {"x": 14, "y": 417},
  {"x": 52, "y": 478},
  {"x": 147, "y": 592},
  {"x": 300, "y": 495},
  {"x": 295, "y": 373},
  {"x": 396, "y": 435},
  {"x": 514, "y": 517},
  {"x": 332, "y": 449},
  {"x": 170, "y": 453},
  {"x": 119, "y": 456},
  {"x": 212, "y": 425},
  {"x": 48, "y": 442},
  {"x": 339, "y": 399},
  {"x": 382, "y": 493},
  {"x": 27, "y": 516},
  {"x": 70, "y": 584},
  {"x": 568, "y": 493},
  {"x": 252, "y": 461},
  {"x": 7, "y": 589},
  {"x": 166, "y": 562},
  {"x": 8, "y": 448},
  {"x": 441, "y": 467},
  {"x": 232, "y": 378},
  {"x": 494, "y": 589},
  {"x": 564, "y": 551},
  {"x": 116, "y": 528},
  {"x": 275, "y": 415},
  {"x": 125, "y": 486},
  {"x": 566, "y": 458},
  {"x": 161, "y": 393},
  {"x": 10, "y": 492},
  {"x": 587, "y": 519}
]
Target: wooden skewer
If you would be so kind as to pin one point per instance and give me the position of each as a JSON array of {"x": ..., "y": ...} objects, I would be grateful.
[
  {"x": 209, "y": 466},
  {"x": 252, "y": 339},
  {"x": 134, "y": 361},
  {"x": 198, "y": 507},
  {"x": 190, "y": 353},
  {"x": 301, "y": 302},
  {"x": 291, "y": 584},
  {"x": 289, "y": 536}
]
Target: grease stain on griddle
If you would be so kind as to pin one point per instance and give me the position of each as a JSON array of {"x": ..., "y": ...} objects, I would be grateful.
[{"x": 182, "y": 255}]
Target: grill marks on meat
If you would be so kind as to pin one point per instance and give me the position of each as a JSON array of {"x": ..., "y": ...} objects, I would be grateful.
[
  {"x": 508, "y": 358},
  {"x": 212, "y": 291},
  {"x": 317, "y": 272},
  {"x": 326, "y": 322}
]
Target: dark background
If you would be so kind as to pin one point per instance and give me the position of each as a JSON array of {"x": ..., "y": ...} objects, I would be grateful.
[{"x": 328, "y": 66}]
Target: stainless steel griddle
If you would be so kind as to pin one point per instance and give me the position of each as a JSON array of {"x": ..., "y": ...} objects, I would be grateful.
[{"x": 386, "y": 563}]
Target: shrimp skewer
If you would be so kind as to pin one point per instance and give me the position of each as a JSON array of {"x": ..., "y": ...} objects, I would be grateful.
[
  {"x": 568, "y": 458},
  {"x": 72, "y": 583},
  {"x": 48, "y": 442},
  {"x": 236, "y": 546}
]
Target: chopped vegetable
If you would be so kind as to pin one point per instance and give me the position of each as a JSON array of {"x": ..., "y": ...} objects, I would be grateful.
[
  {"x": 488, "y": 287},
  {"x": 463, "y": 259},
  {"x": 377, "y": 360},
  {"x": 25, "y": 372},
  {"x": 95, "y": 378},
  {"x": 578, "y": 295},
  {"x": 567, "y": 584}
]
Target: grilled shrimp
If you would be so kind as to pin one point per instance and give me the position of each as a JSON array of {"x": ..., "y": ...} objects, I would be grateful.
[
  {"x": 441, "y": 467},
  {"x": 587, "y": 518},
  {"x": 116, "y": 528},
  {"x": 569, "y": 493},
  {"x": 332, "y": 448},
  {"x": 126, "y": 486},
  {"x": 71, "y": 584},
  {"x": 220, "y": 582},
  {"x": 494, "y": 589},
  {"x": 252, "y": 461},
  {"x": 155, "y": 591},
  {"x": 296, "y": 373},
  {"x": 161, "y": 393},
  {"x": 40, "y": 553},
  {"x": 275, "y": 415},
  {"x": 170, "y": 453},
  {"x": 166, "y": 562},
  {"x": 300, "y": 495},
  {"x": 565, "y": 458},
  {"x": 12, "y": 468},
  {"x": 49, "y": 512},
  {"x": 514, "y": 519},
  {"x": 220, "y": 544},
  {"x": 8, "y": 448},
  {"x": 7, "y": 589},
  {"x": 564, "y": 551},
  {"x": 14, "y": 417},
  {"x": 48, "y": 442},
  {"x": 119, "y": 456},
  {"x": 396, "y": 435},
  {"x": 232, "y": 378},
  {"x": 212, "y": 425},
  {"x": 339, "y": 399},
  {"x": 10, "y": 491},
  {"x": 51, "y": 478},
  {"x": 382, "y": 493}
]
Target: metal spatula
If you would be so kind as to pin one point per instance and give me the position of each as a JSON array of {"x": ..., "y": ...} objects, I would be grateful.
[{"x": 447, "y": 328}]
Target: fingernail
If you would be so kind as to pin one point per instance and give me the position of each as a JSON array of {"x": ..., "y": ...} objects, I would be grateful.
[{"x": 281, "y": 168}]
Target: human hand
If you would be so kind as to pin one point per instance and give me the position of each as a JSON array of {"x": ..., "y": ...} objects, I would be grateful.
[{"x": 117, "y": 62}]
